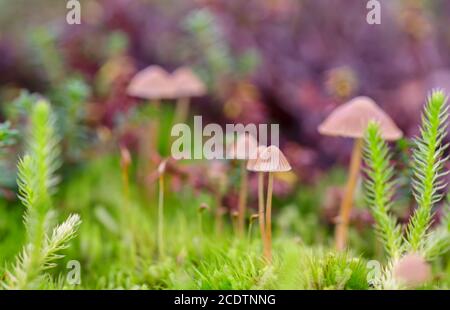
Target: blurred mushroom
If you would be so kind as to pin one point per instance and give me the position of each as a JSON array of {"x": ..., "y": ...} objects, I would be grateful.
[
  {"x": 217, "y": 179},
  {"x": 351, "y": 120},
  {"x": 412, "y": 270},
  {"x": 187, "y": 85},
  {"x": 125, "y": 162},
  {"x": 152, "y": 83},
  {"x": 243, "y": 148},
  {"x": 251, "y": 167}
]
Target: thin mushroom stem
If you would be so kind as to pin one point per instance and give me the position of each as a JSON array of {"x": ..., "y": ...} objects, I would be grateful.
[
  {"x": 125, "y": 171},
  {"x": 347, "y": 201},
  {"x": 126, "y": 186},
  {"x": 268, "y": 253},
  {"x": 234, "y": 218},
  {"x": 161, "y": 216},
  {"x": 182, "y": 110},
  {"x": 242, "y": 198},
  {"x": 148, "y": 146},
  {"x": 261, "y": 208},
  {"x": 250, "y": 227}
]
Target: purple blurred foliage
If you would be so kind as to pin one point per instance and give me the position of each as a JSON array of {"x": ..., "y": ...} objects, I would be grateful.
[{"x": 314, "y": 55}]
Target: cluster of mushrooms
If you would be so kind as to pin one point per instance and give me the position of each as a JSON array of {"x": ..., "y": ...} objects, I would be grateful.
[{"x": 349, "y": 120}]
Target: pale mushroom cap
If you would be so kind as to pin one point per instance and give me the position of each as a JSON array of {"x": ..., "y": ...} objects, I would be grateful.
[
  {"x": 244, "y": 147},
  {"x": 187, "y": 83},
  {"x": 162, "y": 167},
  {"x": 152, "y": 83},
  {"x": 125, "y": 157},
  {"x": 271, "y": 159},
  {"x": 352, "y": 118},
  {"x": 251, "y": 162},
  {"x": 412, "y": 270}
]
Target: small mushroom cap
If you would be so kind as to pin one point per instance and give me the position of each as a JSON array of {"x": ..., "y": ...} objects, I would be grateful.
[
  {"x": 251, "y": 162},
  {"x": 152, "y": 83},
  {"x": 203, "y": 207},
  {"x": 412, "y": 270},
  {"x": 162, "y": 167},
  {"x": 187, "y": 83},
  {"x": 352, "y": 118},
  {"x": 271, "y": 160},
  {"x": 244, "y": 147},
  {"x": 125, "y": 157}
]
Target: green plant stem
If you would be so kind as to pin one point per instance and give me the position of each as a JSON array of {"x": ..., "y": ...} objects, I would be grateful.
[
  {"x": 218, "y": 213},
  {"x": 268, "y": 253},
  {"x": 242, "y": 198},
  {"x": 128, "y": 220},
  {"x": 161, "y": 216},
  {"x": 157, "y": 104},
  {"x": 126, "y": 187},
  {"x": 347, "y": 202},
  {"x": 249, "y": 233},
  {"x": 200, "y": 224}
]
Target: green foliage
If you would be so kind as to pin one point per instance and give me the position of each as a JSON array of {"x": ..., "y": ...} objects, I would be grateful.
[
  {"x": 217, "y": 54},
  {"x": 380, "y": 190},
  {"x": 37, "y": 182},
  {"x": 44, "y": 47},
  {"x": 337, "y": 271},
  {"x": 195, "y": 258},
  {"x": 70, "y": 108},
  {"x": 438, "y": 241},
  {"x": 7, "y": 135},
  {"x": 428, "y": 161},
  {"x": 21, "y": 106},
  {"x": 428, "y": 164}
]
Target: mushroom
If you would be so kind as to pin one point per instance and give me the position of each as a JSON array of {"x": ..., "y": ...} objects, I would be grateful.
[
  {"x": 153, "y": 84},
  {"x": 187, "y": 85},
  {"x": 412, "y": 270},
  {"x": 243, "y": 148},
  {"x": 351, "y": 120},
  {"x": 251, "y": 167},
  {"x": 218, "y": 182},
  {"x": 270, "y": 160},
  {"x": 125, "y": 163}
]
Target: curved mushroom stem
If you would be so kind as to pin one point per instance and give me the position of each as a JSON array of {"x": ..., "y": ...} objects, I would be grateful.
[
  {"x": 181, "y": 110},
  {"x": 347, "y": 201},
  {"x": 261, "y": 209},
  {"x": 161, "y": 216},
  {"x": 268, "y": 253},
  {"x": 242, "y": 198}
]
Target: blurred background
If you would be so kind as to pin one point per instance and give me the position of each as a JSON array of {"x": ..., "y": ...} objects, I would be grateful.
[
  {"x": 284, "y": 61},
  {"x": 277, "y": 61}
]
